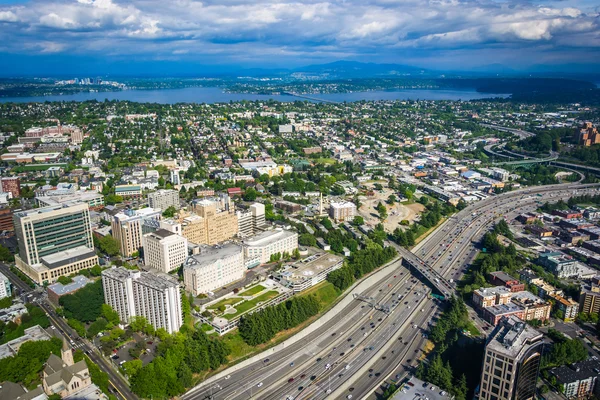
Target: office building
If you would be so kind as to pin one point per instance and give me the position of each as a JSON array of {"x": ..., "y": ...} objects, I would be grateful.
[
  {"x": 559, "y": 264},
  {"x": 164, "y": 199},
  {"x": 488, "y": 297},
  {"x": 11, "y": 185},
  {"x": 511, "y": 362},
  {"x": 308, "y": 272},
  {"x": 580, "y": 380},
  {"x": 214, "y": 222},
  {"x": 137, "y": 293},
  {"x": 258, "y": 249},
  {"x": 129, "y": 191},
  {"x": 214, "y": 268},
  {"x": 5, "y": 287},
  {"x": 164, "y": 250},
  {"x": 589, "y": 299},
  {"x": 174, "y": 177},
  {"x": 342, "y": 211},
  {"x": 6, "y": 220},
  {"x": 57, "y": 290},
  {"x": 33, "y": 334},
  {"x": 252, "y": 221},
  {"x": 54, "y": 241},
  {"x": 128, "y": 228}
]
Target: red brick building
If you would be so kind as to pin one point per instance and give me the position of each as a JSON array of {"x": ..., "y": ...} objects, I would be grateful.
[{"x": 11, "y": 185}]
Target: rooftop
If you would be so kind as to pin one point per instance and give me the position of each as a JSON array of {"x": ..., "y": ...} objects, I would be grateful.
[
  {"x": 577, "y": 372},
  {"x": 79, "y": 281},
  {"x": 34, "y": 333},
  {"x": 208, "y": 255},
  {"x": 310, "y": 266},
  {"x": 67, "y": 257},
  {"x": 416, "y": 389},
  {"x": 268, "y": 237},
  {"x": 159, "y": 282},
  {"x": 511, "y": 336}
]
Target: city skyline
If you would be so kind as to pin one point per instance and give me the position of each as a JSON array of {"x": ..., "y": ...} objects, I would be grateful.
[{"x": 119, "y": 37}]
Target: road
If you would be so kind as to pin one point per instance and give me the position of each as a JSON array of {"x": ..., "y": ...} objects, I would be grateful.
[
  {"x": 448, "y": 249},
  {"x": 118, "y": 386}
]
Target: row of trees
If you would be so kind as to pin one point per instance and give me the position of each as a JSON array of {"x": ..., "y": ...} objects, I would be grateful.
[
  {"x": 445, "y": 334},
  {"x": 26, "y": 365},
  {"x": 360, "y": 263},
  {"x": 178, "y": 357},
  {"x": 263, "y": 325},
  {"x": 563, "y": 351}
]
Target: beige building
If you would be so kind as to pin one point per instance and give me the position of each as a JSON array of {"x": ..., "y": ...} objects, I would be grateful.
[
  {"x": 213, "y": 268},
  {"x": 258, "y": 249},
  {"x": 589, "y": 299},
  {"x": 136, "y": 293},
  {"x": 54, "y": 241},
  {"x": 64, "y": 377},
  {"x": 211, "y": 224},
  {"x": 511, "y": 362},
  {"x": 342, "y": 211},
  {"x": 488, "y": 297},
  {"x": 252, "y": 221},
  {"x": 128, "y": 228},
  {"x": 164, "y": 250}
]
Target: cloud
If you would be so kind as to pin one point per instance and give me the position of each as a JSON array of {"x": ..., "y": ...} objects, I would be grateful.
[{"x": 376, "y": 30}]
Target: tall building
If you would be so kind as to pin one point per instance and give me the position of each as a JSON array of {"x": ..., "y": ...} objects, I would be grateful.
[
  {"x": 137, "y": 293},
  {"x": 213, "y": 268},
  {"x": 214, "y": 222},
  {"x": 164, "y": 199},
  {"x": 54, "y": 241},
  {"x": 342, "y": 211},
  {"x": 11, "y": 185},
  {"x": 589, "y": 299},
  {"x": 511, "y": 362},
  {"x": 164, "y": 250},
  {"x": 258, "y": 249},
  {"x": 5, "y": 287},
  {"x": 128, "y": 228},
  {"x": 587, "y": 135},
  {"x": 174, "y": 177},
  {"x": 252, "y": 221},
  {"x": 6, "y": 220}
]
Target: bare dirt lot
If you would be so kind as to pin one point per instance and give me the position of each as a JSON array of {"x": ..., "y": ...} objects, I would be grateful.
[{"x": 396, "y": 213}]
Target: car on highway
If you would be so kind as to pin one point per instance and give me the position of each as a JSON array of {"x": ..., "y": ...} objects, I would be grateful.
[
  {"x": 259, "y": 384},
  {"x": 290, "y": 380}
]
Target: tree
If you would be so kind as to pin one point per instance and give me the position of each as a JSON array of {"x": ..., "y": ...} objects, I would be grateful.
[
  {"x": 169, "y": 212},
  {"x": 132, "y": 367},
  {"x": 138, "y": 323},
  {"x": 296, "y": 254},
  {"x": 85, "y": 305},
  {"x": 358, "y": 221},
  {"x": 306, "y": 239},
  {"x": 6, "y": 255},
  {"x": 250, "y": 194},
  {"x": 109, "y": 245},
  {"x": 382, "y": 210},
  {"x": 391, "y": 200},
  {"x": 111, "y": 316}
]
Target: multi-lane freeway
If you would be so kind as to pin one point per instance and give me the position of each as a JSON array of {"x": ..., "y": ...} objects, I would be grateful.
[
  {"x": 117, "y": 385},
  {"x": 351, "y": 354}
]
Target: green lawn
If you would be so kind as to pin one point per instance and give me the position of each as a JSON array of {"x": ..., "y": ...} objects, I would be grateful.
[
  {"x": 224, "y": 302},
  {"x": 252, "y": 291},
  {"x": 206, "y": 327},
  {"x": 328, "y": 161},
  {"x": 326, "y": 294},
  {"x": 472, "y": 329},
  {"x": 238, "y": 347},
  {"x": 250, "y": 304}
]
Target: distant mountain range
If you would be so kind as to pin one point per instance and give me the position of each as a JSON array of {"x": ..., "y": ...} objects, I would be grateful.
[{"x": 355, "y": 69}]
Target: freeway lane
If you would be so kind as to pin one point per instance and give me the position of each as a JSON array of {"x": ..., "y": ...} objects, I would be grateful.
[
  {"x": 119, "y": 387},
  {"x": 472, "y": 229}
]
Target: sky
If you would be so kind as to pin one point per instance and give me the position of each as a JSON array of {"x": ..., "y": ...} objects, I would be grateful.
[{"x": 49, "y": 37}]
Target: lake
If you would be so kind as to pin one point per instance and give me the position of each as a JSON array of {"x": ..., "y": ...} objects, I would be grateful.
[{"x": 216, "y": 95}]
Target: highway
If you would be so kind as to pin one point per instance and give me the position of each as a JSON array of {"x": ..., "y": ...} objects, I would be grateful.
[
  {"x": 449, "y": 249},
  {"x": 118, "y": 386}
]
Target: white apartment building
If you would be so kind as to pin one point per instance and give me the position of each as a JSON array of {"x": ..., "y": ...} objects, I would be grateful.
[
  {"x": 213, "y": 268},
  {"x": 5, "y": 288},
  {"x": 137, "y": 293},
  {"x": 164, "y": 199},
  {"x": 164, "y": 250},
  {"x": 342, "y": 211},
  {"x": 252, "y": 221},
  {"x": 259, "y": 248}
]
